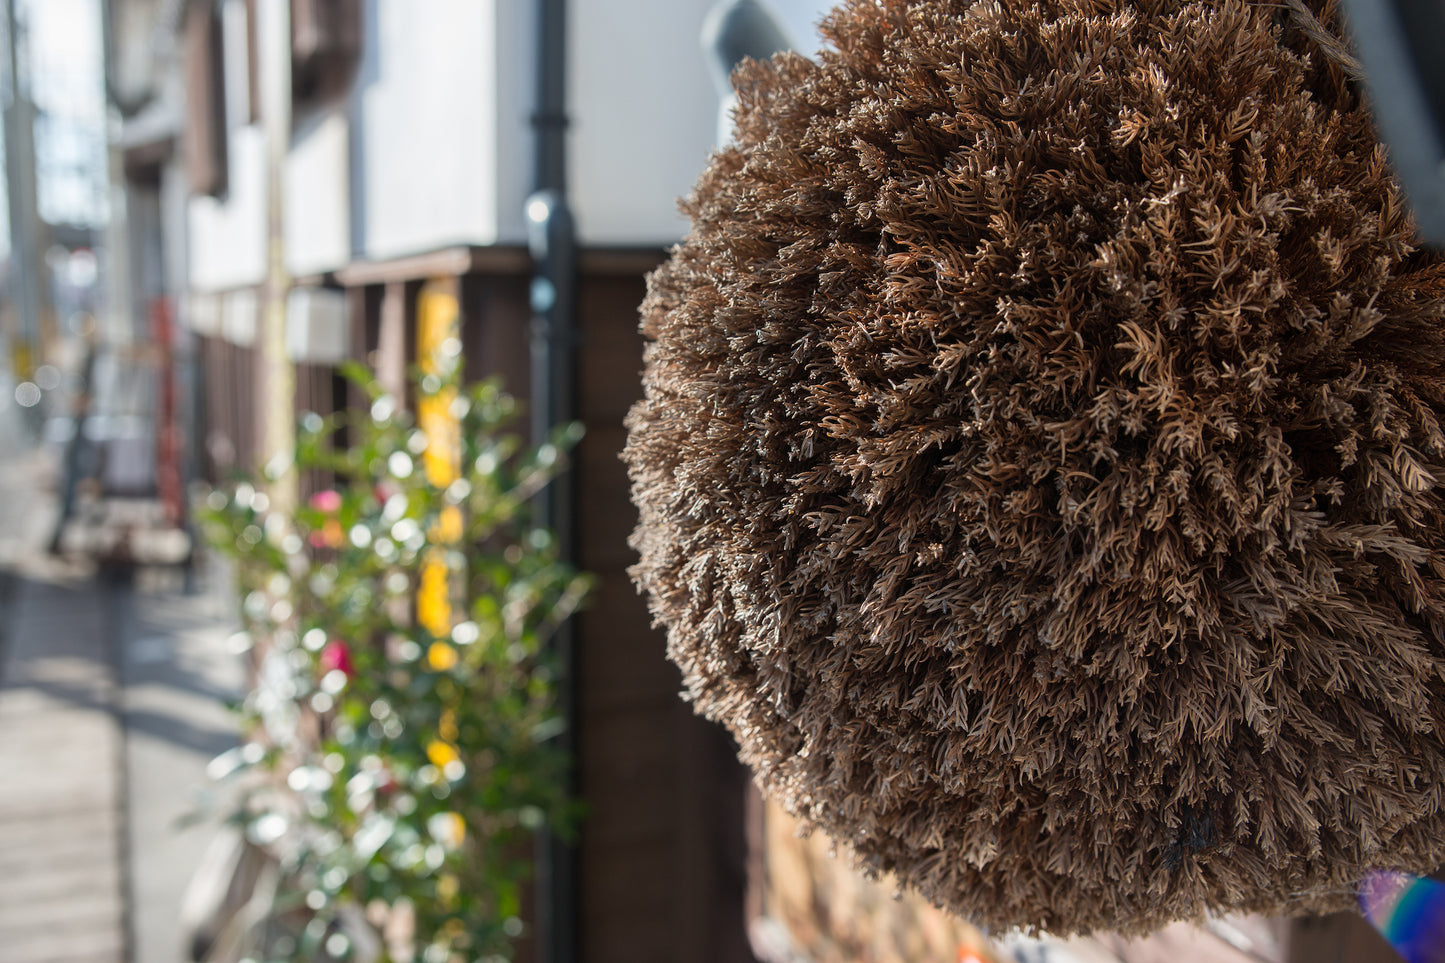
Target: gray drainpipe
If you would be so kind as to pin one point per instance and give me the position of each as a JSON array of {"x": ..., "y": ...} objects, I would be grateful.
[
  {"x": 732, "y": 31},
  {"x": 553, "y": 244},
  {"x": 1398, "y": 41}
]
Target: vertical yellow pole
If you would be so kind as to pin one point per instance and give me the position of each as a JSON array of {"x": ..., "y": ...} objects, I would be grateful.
[{"x": 438, "y": 323}]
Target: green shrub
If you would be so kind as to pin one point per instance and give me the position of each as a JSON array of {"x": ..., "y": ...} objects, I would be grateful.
[{"x": 399, "y": 773}]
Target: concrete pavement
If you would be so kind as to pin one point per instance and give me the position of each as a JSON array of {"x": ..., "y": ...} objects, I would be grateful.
[
  {"x": 175, "y": 673},
  {"x": 61, "y": 878},
  {"x": 111, "y": 704}
]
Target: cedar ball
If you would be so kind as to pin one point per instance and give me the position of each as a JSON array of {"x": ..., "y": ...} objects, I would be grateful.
[{"x": 1041, "y": 458}]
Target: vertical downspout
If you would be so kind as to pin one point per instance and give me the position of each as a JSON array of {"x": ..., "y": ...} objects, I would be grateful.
[{"x": 552, "y": 241}]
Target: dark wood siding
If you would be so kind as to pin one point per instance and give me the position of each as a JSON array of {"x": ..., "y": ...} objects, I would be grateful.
[
  {"x": 1340, "y": 938},
  {"x": 204, "y": 135},
  {"x": 495, "y": 316},
  {"x": 231, "y": 415},
  {"x": 662, "y": 852}
]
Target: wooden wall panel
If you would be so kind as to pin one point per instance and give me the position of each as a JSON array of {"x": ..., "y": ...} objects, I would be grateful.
[
  {"x": 661, "y": 852},
  {"x": 649, "y": 765},
  {"x": 229, "y": 396},
  {"x": 318, "y": 389},
  {"x": 604, "y": 534},
  {"x": 495, "y": 331},
  {"x": 1339, "y": 938},
  {"x": 624, "y": 661}
]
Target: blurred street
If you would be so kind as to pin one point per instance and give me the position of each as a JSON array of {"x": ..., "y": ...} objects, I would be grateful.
[{"x": 112, "y": 697}]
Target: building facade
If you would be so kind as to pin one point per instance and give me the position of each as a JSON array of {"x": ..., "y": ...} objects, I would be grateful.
[{"x": 291, "y": 173}]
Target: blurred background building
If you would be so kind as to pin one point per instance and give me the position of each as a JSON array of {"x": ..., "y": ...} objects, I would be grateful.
[
  {"x": 55, "y": 205},
  {"x": 290, "y": 178}
]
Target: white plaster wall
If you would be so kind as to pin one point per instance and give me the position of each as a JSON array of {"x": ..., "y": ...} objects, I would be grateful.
[
  {"x": 228, "y": 235},
  {"x": 643, "y": 117},
  {"x": 516, "y": 72},
  {"x": 316, "y": 225},
  {"x": 645, "y": 113},
  {"x": 800, "y": 20},
  {"x": 240, "y": 313},
  {"x": 175, "y": 201},
  {"x": 134, "y": 67},
  {"x": 236, "y": 82},
  {"x": 434, "y": 146},
  {"x": 425, "y": 113}
]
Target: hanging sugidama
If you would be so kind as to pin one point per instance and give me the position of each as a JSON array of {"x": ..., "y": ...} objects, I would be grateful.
[{"x": 1041, "y": 464}]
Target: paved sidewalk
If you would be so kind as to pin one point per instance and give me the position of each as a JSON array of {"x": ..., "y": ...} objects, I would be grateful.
[
  {"x": 61, "y": 878},
  {"x": 111, "y": 703},
  {"x": 176, "y": 673}
]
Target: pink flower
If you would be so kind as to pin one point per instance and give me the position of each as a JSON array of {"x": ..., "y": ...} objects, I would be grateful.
[
  {"x": 327, "y": 500},
  {"x": 336, "y": 655}
]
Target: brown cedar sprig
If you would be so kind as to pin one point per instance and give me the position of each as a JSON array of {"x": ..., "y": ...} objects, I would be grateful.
[{"x": 1039, "y": 469}]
